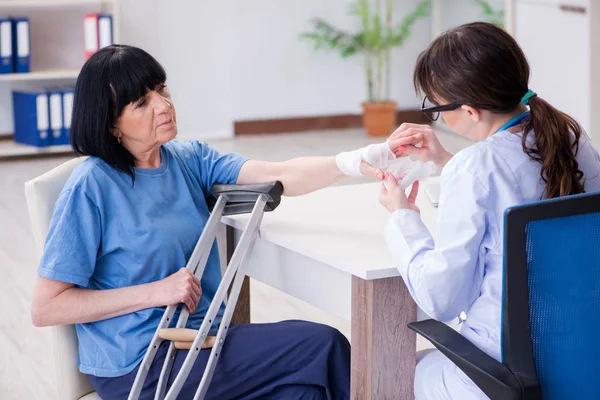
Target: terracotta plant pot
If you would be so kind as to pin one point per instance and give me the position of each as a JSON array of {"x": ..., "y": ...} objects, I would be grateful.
[{"x": 379, "y": 119}]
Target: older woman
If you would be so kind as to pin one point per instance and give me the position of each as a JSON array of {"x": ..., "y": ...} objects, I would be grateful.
[{"x": 127, "y": 221}]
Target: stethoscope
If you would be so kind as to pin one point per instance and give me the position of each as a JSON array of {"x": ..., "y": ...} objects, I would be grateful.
[{"x": 515, "y": 121}]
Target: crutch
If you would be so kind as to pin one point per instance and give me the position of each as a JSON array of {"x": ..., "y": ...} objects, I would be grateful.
[{"x": 225, "y": 200}]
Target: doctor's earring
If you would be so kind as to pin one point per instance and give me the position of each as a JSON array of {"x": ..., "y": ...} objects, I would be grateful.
[{"x": 119, "y": 139}]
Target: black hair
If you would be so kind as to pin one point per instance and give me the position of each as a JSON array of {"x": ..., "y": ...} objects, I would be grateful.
[{"x": 111, "y": 78}]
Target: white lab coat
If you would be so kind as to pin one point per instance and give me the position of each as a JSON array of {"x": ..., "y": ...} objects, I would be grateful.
[{"x": 462, "y": 269}]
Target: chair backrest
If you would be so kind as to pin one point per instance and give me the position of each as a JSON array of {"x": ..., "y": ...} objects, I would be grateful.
[
  {"x": 552, "y": 264},
  {"x": 41, "y": 194}
]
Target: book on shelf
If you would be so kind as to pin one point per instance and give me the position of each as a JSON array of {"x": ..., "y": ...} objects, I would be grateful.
[{"x": 43, "y": 117}]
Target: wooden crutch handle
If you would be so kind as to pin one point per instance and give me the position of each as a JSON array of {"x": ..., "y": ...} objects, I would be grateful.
[
  {"x": 183, "y": 337},
  {"x": 208, "y": 343},
  {"x": 178, "y": 334}
]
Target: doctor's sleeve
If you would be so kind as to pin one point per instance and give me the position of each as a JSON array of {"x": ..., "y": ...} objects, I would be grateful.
[{"x": 444, "y": 277}]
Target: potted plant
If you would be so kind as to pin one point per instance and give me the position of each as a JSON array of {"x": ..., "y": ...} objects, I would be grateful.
[{"x": 375, "y": 38}]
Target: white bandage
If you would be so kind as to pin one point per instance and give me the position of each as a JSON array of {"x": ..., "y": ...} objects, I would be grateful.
[
  {"x": 377, "y": 155},
  {"x": 407, "y": 171}
]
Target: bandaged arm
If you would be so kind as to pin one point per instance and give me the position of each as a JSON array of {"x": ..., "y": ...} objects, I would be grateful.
[
  {"x": 306, "y": 174},
  {"x": 377, "y": 155}
]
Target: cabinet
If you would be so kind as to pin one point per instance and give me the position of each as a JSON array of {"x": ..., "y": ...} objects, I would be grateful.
[
  {"x": 57, "y": 55},
  {"x": 560, "y": 40}
]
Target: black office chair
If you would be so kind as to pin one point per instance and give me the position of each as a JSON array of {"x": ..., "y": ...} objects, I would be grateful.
[{"x": 550, "y": 307}]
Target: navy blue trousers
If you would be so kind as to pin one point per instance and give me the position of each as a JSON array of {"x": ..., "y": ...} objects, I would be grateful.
[{"x": 285, "y": 360}]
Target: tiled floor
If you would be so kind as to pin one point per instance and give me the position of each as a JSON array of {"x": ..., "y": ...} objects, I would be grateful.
[{"x": 26, "y": 366}]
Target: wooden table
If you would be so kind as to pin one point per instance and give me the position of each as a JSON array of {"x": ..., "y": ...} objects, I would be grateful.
[{"x": 328, "y": 249}]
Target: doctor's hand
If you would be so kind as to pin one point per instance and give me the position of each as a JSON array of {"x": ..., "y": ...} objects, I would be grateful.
[
  {"x": 420, "y": 141},
  {"x": 367, "y": 169},
  {"x": 394, "y": 198}
]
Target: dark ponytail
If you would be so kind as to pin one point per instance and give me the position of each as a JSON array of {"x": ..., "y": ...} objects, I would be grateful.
[
  {"x": 481, "y": 65},
  {"x": 554, "y": 148}
]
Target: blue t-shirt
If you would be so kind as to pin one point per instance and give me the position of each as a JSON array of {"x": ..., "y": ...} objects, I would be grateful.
[{"x": 107, "y": 234}]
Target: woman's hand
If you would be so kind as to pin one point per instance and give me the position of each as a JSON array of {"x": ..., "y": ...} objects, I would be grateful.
[
  {"x": 368, "y": 170},
  {"x": 394, "y": 198},
  {"x": 181, "y": 287},
  {"x": 420, "y": 141}
]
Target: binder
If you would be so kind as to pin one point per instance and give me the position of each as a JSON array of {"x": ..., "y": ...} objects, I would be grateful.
[
  {"x": 32, "y": 122},
  {"x": 90, "y": 34},
  {"x": 55, "y": 111},
  {"x": 6, "y": 46},
  {"x": 21, "y": 44},
  {"x": 105, "y": 30},
  {"x": 67, "y": 108}
]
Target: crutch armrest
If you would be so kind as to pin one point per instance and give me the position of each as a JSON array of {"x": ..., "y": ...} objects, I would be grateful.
[
  {"x": 241, "y": 198},
  {"x": 273, "y": 190}
]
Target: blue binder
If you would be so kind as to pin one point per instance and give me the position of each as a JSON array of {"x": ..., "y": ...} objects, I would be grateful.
[
  {"x": 105, "y": 30},
  {"x": 67, "y": 109},
  {"x": 6, "y": 46},
  {"x": 32, "y": 122},
  {"x": 55, "y": 111},
  {"x": 21, "y": 44}
]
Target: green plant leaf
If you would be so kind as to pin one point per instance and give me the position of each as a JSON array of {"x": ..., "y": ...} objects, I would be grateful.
[
  {"x": 491, "y": 15},
  {"x": 374, "y": 38},
  {"x": 485, "y": 7},
  {"x": 401, "y": 32},
  {"x": 326, "y": 35}
]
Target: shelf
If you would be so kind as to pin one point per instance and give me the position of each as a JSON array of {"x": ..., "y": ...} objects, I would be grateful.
[
  {"x": 10, "y": 149},
  {"x": 51, "y": 3},
  {"x": 41, "y": 75}
]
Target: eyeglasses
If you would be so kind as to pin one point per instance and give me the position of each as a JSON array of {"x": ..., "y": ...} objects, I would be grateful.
[{"x": 433, "y": 111}]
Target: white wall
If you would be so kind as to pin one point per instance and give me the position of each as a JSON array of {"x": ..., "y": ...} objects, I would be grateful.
[
  {"x": 243, "y": 60},
  {"x": 192, "y": 40},
  {"x": 235, "y": 60},
  {"x": 595, "y": 77},
  {"x": 199, "y": 64},
  {"x": 275, "y": 74},
  {"x": 457, "y": 12}
]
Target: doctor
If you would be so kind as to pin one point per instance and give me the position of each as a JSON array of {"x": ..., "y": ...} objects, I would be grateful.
[{"x": 476, "y": 77}]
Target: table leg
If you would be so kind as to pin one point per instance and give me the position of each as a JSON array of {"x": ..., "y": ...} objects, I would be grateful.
[
  {"x": 241, "y": 315},
  {"x": 383, "y": 348}
]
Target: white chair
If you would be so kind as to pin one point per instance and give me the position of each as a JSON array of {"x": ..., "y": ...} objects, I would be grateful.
[{"x": 41, "y": 194}]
